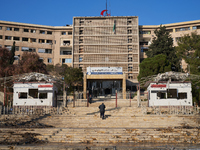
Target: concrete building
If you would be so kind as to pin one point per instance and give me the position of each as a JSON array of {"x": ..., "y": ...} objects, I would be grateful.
[
  {"x": 104, "y": 42},
  {"x": 53, "y": 44}
]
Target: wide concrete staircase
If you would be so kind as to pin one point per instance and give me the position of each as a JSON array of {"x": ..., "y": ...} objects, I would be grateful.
[{"x": 121, "y": 125}]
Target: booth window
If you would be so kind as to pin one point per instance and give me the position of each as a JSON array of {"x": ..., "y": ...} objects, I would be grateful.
[
  {"x": 182, "y": 95},
  {"x": 33, "y": 93},
  {"x": 22, "y": 95},
  {"x": 172, "y": 93},
  {"x": 161, "y": 95},
  {"x": 42, "y": 95}
]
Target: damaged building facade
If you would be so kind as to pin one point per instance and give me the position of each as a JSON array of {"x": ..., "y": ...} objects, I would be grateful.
[
  {"x": 93, "y": 42},
  {"x": 35, "y": 89}
]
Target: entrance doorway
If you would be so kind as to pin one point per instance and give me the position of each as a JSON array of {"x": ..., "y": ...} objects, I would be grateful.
[{"x": 104, "y": 88}]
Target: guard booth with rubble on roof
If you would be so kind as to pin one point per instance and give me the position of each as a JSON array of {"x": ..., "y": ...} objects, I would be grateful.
[
  {"x": 170, "y": 89},
  {"x": 40, "y": 91}
]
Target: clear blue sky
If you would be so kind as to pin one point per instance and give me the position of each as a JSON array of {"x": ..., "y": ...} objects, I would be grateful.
[{"x": 61, "y": 12}]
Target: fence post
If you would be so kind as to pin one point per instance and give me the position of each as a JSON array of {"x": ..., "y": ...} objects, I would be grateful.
[{"x": 116, "y": 97}]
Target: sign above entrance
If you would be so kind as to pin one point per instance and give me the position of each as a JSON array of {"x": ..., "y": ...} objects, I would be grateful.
[{"x": 104, "y": 70}]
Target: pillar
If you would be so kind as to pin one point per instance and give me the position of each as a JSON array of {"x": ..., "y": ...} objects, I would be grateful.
[
  {"x": 124, "y": 86},
  {"x": 84, "y": 85}
]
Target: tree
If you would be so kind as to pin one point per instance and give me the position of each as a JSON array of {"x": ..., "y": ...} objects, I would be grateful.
[
  {"x": 154, "y": 65},
  {"x": 5, "y": 57},
  {"x": 189, "y": 49},
  {"x": 30, "y": 62},
  {"x": 12, "y": 59},
  {"x": 163, "y": 44}
]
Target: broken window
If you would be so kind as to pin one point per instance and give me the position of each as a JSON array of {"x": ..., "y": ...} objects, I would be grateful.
[
  {"x": 182, "y": 95},
  {"x": 33, "y": 93},
  {"x": 49, "y": 32},
  {"x": 25, "y": 39},
  {"x": 16, "y": 38},
  {"x": 42, "y": 95},
  {"x": 42, "y": 32},
  {"x": 49, "y": 60},
  {"x": 70, "y": 33},
  {"x": 8, "y": 37},
  {"x": 41, "y": 41},
  {"x": 171, "y": 93},
  {"x": 66, "y": 42},
  {"x": 161, "y": 95},
  {"x": 63, "y": 33},
  {"x": 9, "y": 29},
  {"x": 32, "y": 40},
  {"x": 49, "y": 41},
  {"x": 33, "y": 30},
  {"x": 22, "y": 95},
  {"x": 26, "y": 30},
  {"x": 16, "y": 29}
]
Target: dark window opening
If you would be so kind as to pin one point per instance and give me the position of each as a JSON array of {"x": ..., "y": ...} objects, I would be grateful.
[
  {"x": 172, "y": 93},
  {"x": 16, "y": 38},
  {"x": 42, "y": 95},
  {"x": 26, "y": 30},
  {"x": 182, "y": 95},
  {"x": 49, "y": 32},
  {"x": 66, "y": 42},
  {"x": 33, "y": 93},
  {"x": 63, "y": 33},
  {"x": 22, "y": 95},
  {"x": 69, "y": 33},
  {"x": 161, "y": 95},
  {"x": 42, "y": 32},
  {"x": 25, "y": 39},
  {"x": 16, "y": 29}
]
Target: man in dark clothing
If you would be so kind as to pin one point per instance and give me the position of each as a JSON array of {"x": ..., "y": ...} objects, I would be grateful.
[{"x": 102, "y": 110}]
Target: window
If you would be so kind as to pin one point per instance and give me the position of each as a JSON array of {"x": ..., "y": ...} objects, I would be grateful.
[
  {"x": 33, "y": 93},
  {"x": 16, "y": 48},
  {"x": 42, "y": 95},
  {"x": 143, "y": 43},
  {"x": 41, "y": 59},
  {"x": 67, "y": 60},
  {"x": 170, "y": 30},
  {"x": 26, "y": 30},
  {"x": 145, "y": 32},
  {"x": 182, "y": 29},
  {"x": 69, "y": 33},
  {"x": 8, "y": 37},
  {"x": 66, "y": 42},
  {"x": 31, "y": 50},
  {"x": 161, "y": 95},
  {"x": 33, "y": 31},
  {"x": 16, "y": 29},
  {"x": 16, "y": 38},
  {"x": 130, "y": 68},
  {"x": 63, "y": 33},
  {"x": 0, "y": 27},
  {"x": 171, "y": 93},
  {"x": 49, "y": 42},
  {"x": 42, "y": 32},
  {"x": 9, "y": 29},
  {"x": 49, "y": 60},
  {"x": 129, "y": 39},
  {"x": 32, "y": 40},
  {"x": 8, "y": 47},
  {"x": 1, "y": 37},
  {"x": 41, "y": 41},
  {"x": 22, "y": 95},
  {"x": 49, "y": 32},
  {"x": 25, "y": 39},
  {"x": 25, "y": 48},
  {"x": 41, "y": 50},
  {"x": 66, "y": 53},
  {"x": 80, "y": 59},
  {"x": 182, "y": 95}
]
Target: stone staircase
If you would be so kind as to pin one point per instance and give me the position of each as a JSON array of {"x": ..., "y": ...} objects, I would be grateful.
[{"x": 121, "y": 125}]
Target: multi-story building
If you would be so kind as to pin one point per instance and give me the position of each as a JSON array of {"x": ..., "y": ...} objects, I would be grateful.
[
  {"x": 105, "y": 41},
  {"x": 53, "y": 44}
]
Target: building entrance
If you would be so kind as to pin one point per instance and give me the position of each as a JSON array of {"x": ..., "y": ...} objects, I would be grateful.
[{"x": 104, "y": 88}]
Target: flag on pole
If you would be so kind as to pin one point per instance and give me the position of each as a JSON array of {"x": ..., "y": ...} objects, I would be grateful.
[{"x": 114, "y": 26}]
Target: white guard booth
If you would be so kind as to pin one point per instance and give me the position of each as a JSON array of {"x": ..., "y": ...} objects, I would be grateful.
[
  {"x": 34, "y": 94},
  {"x": 170, "y": 94}
]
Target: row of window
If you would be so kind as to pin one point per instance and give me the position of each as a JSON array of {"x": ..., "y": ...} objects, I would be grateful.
[
  {"x": 34, "y": 31},
  {"x": 25, "y": 39}
]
